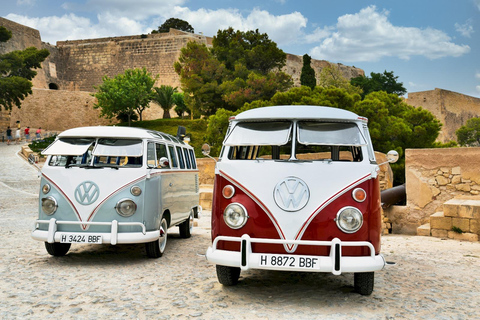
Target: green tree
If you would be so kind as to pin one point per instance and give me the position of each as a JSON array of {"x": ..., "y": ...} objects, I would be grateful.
[
  {"x": 385, "y": 81},
  {"x": 16, "y": 71},
  {"x": 200, "y": 76},
  {"x": 232, "y": 73},
  {"x": 331, "y": 76},
  {"x": 164, "y": 96},
  {"x": 180, "y": 105},
  {"x": 469, "y": 134},
  {"x": 125, "y": 94},
  {"x": 252, "y": 49},
  {"x": 307, "y": 77},
  {"x": 174, "y": 23}
]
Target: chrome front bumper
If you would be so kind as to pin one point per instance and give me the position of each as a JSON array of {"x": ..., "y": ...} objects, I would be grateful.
[
  {"x": 113, "y": 237},
  {"x": 334, "y": 263}
]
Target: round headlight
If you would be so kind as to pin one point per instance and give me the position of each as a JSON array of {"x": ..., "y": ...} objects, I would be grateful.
[
  {"x": 228, "y": 191},
  {"x": 126, "y": 207},
  {"x": 46, "y": 188},
  {"x": 359, "y": 194},
  {"x": 235, "y": 215},
  {"x": 136, "y": 191},
  {"x": 349, "y": 219},
  {"x": 49, "y": 205}
]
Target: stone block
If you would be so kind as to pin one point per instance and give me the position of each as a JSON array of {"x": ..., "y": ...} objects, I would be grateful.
[
  {"x": 463, "y": 187},
  {"x": 442, "y": 181},
  {"x": 450, "y": 208},
  {"x": 424, "y": 230},
  {"x": 457, "y": 170},
  {"x": 439, "y": 221},
  {"x": 439, "y": 233},
  {"x": 463, "y": 236},
  {"x": 456, "y": 179},
  {"x": 465, "y": 210},
  {"x": 475, "y": 226},
  {"x": 462, "y": 223}
]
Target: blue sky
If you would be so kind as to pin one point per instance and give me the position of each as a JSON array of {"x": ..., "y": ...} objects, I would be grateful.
[{"x": 427, "y": 44}]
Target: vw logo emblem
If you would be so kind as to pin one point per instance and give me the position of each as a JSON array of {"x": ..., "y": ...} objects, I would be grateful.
[
  {"x": 87, "y": 193},
  {"x": 291, "y": 194}
]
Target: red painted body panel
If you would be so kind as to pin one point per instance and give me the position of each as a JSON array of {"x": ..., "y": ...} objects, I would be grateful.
[{"x": 321, "y": 228}]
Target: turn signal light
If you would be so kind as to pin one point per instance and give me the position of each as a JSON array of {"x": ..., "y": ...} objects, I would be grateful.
[
  {"x": 228, "y": 191},
  {"x": 359, "y": 194}
]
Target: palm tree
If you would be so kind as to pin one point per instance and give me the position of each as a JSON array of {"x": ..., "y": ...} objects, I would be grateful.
[{"x": 164, "y": 97}]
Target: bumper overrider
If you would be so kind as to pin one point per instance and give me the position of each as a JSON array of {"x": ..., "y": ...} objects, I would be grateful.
[
  {"x": 113, "y": 237},
  {"x": 334, "y": 263}
]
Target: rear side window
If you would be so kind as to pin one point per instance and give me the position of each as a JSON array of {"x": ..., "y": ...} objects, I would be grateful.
[
  {"x": 173, "y": 155},
  {"x": 192, "y": 157},
  {"x": 187, "y": 159},
  {"x": 180, "y": 157}
]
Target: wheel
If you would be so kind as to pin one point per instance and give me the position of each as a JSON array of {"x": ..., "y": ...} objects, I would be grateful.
[
  {"x": 57, "y": 249},
  {"x": 228, "y": 276},
  {"x": 363, "y": 283},
  {"x": 155, "y": 249},
  {"x": 186, "y": 227}
]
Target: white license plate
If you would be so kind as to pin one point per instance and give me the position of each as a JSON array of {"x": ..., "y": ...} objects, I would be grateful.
[
  {"x": 80, "y": 237},
  {"x": 289, "y": 261}
]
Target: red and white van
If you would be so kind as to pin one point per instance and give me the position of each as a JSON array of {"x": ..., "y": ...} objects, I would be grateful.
[{"x": 296, "y": 189}]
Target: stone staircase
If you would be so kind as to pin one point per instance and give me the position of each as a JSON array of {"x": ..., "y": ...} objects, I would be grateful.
[{"x": 459, "y": 220}]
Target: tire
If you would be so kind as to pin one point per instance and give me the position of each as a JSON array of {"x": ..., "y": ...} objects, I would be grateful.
[
  {"x": 186, "y": 227},
  {"x": 363, "y": 283},
  {"x": 228, "y": 276},
  {"x": 155, "y": 249},
  {"x": 57, "y": 249}
]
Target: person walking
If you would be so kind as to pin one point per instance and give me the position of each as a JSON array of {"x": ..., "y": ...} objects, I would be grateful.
[
  {"x": 27, "y": 134},
  {"x": 9, "y": 135},
  {"x": 17, "y": 136},
  {"x": 38, "y": 132}
]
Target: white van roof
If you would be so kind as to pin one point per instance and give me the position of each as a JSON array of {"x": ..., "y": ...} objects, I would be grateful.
[
  {"x": 117, "y": 132},
  {"x": 299, "y": 113}
]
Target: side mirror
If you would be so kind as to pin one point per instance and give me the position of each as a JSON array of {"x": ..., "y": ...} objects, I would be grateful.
[
  {"x": 392, "y": 156},
  {"x": 205, "y": 149}
]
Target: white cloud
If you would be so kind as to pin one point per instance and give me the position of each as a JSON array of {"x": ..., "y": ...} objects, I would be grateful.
[
  {"x": 369, "y": 36},
  {"x": 72, "y": 27},
  {"x": 477, "y": 3},
  {"x": 465, "y": 29},
  {"x": 125, "y": 17},
  {"x": 477, "y": 88},
  {"x": 137, "y": 10},
  {"x": 282, "y": 29},
  {"x": 477, "y": 75},
  {"x": 319, "y": 34}
]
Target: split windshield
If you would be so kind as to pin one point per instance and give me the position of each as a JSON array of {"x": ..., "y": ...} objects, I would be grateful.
[
  {"x": 296, "y": 141},
  {"x": 95, "y": 153}
]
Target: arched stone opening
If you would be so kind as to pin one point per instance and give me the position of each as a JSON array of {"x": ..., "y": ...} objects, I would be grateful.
[{"x": 52, "y": 86}]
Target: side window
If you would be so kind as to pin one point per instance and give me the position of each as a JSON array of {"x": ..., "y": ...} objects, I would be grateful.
[
  {"x": 162, "y": 156},
  {"x": 192, "y": 157},
  {"x": 180, "y": 157},
  {"x": 173, "y": 156},
  {"x": 187, "y": 158},
  {"x": 151, "y": 162}
]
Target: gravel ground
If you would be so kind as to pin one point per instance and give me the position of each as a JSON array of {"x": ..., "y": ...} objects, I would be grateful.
[{"x": 432, "y": 278}]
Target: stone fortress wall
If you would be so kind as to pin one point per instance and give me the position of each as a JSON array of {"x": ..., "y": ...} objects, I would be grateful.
[
  {"x": 77, "y": 66},
  {"x": 451, "y": 108}
]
